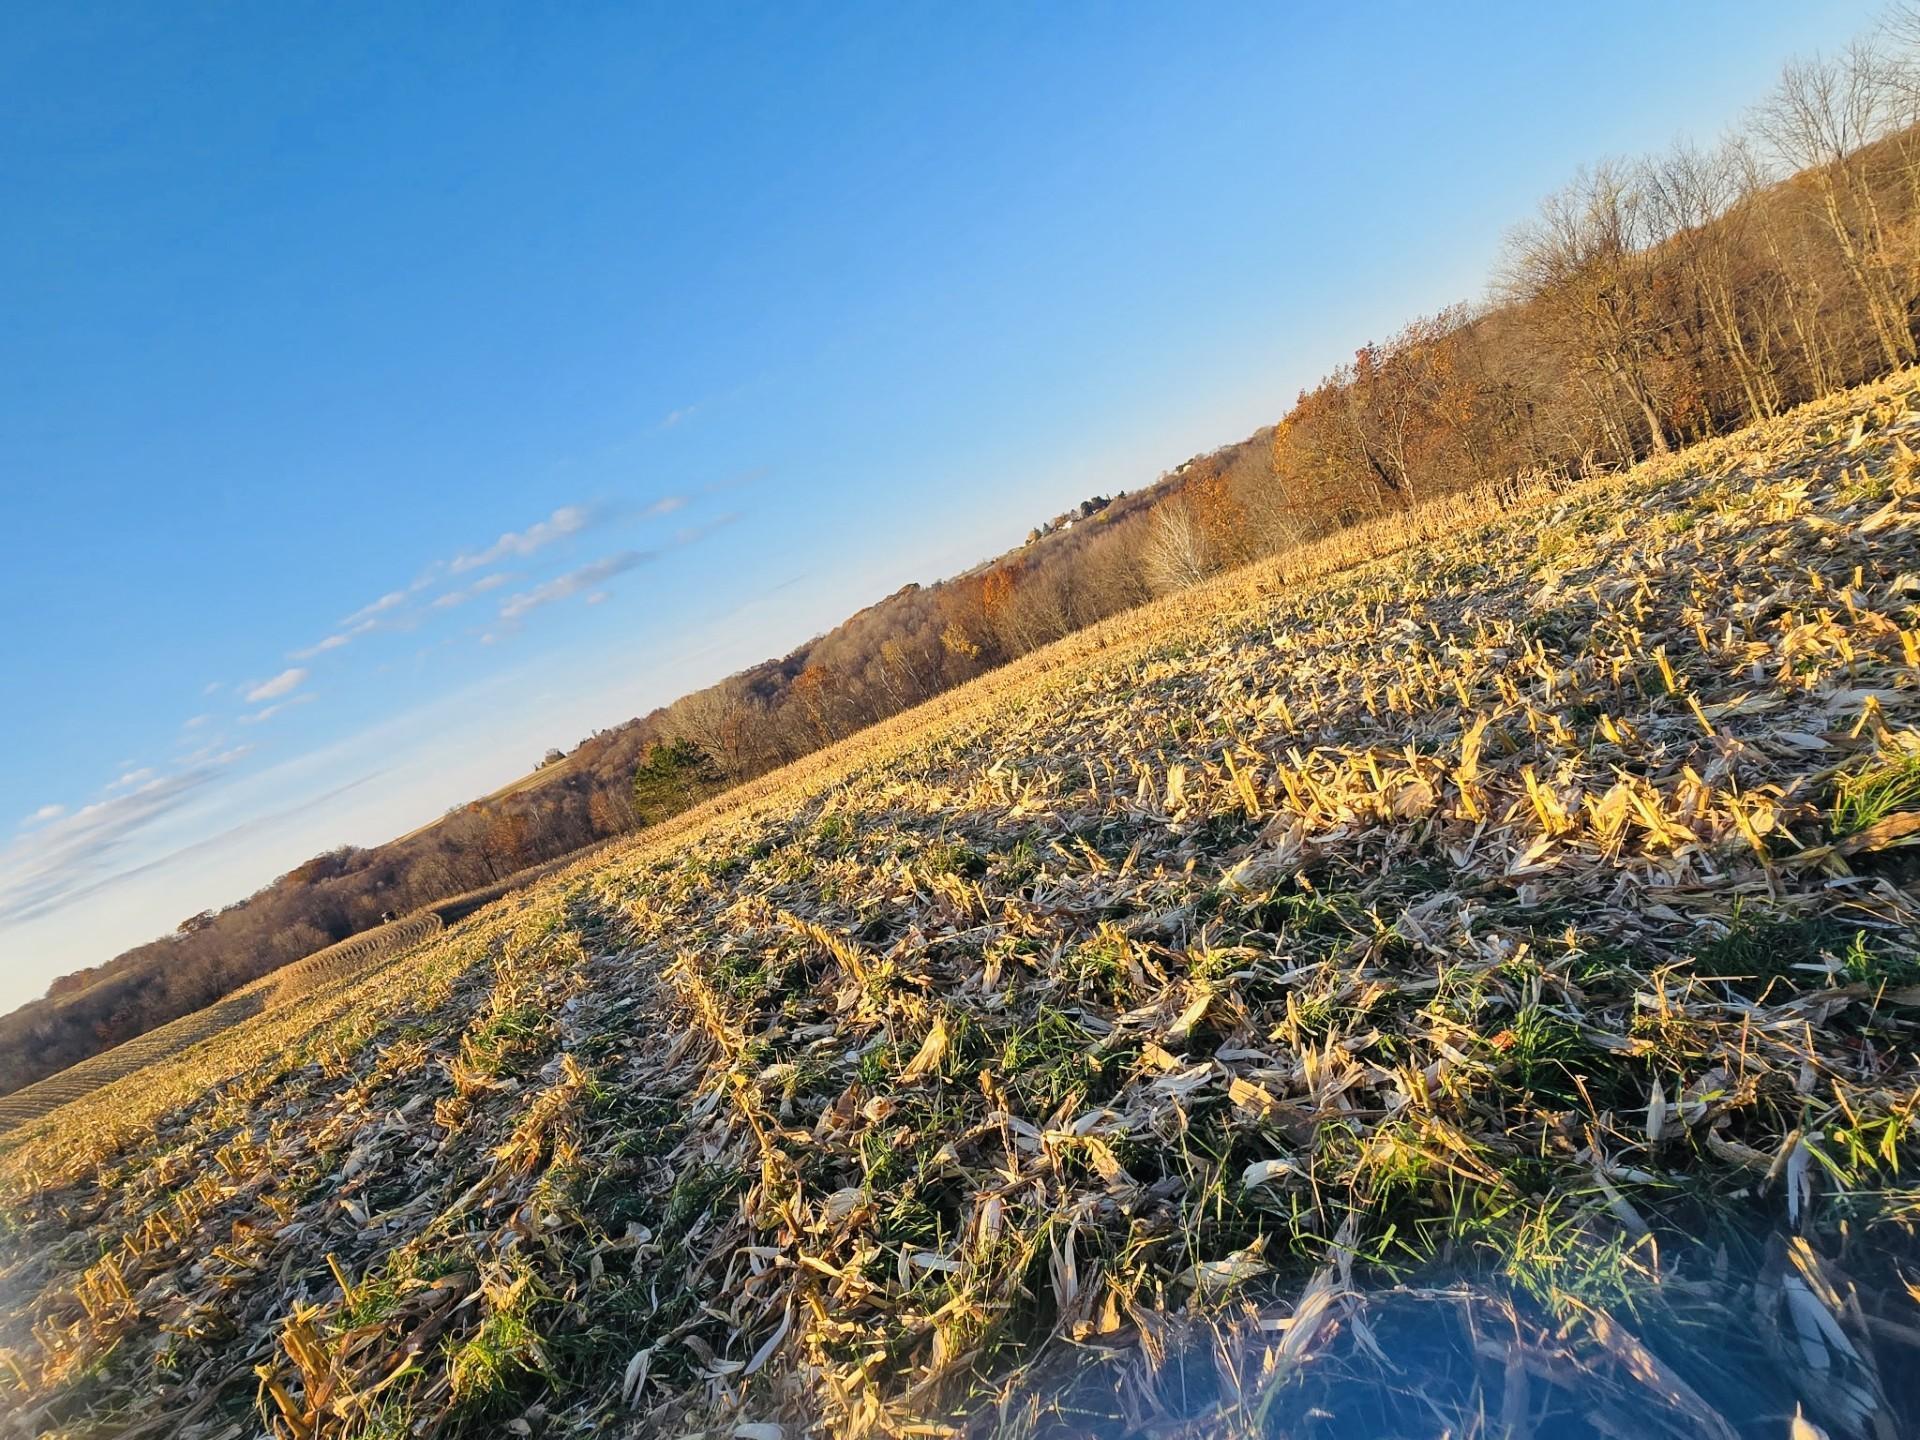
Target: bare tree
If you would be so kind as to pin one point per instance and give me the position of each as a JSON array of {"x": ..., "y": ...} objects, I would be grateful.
[
  {"x": 1584, "y": 268},
  {"x": 1112, "y": 572},
  {"x": 1821, "y": 119},
  {"x": 1040, "y": 610},
  {"x": 1175, "y": 554},
  {"x": 711, "y": 718},
  {"x": 1700, "y": 209}
]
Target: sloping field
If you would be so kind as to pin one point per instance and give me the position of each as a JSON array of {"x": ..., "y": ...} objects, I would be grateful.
[
  {"x": 170, "y": 1041},
  {"x": 350, "y": 956},
  {"x": 166, "y": 1042},
  {"x": 525, "y": 782},
  {"x": 1467, "y": 992}
]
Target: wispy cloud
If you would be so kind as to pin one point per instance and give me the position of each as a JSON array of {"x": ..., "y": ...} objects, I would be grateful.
[
  {"x": 214, "y": 752},
  {"x": 258, "y": 824},
  {"x": 392, "y": 600},
  {"x": 573, "y": 582},
  {"x": 258, "y": 716},
  {"x": 591, "y": 577},
  {"x": 44, "y": 814},
  {"x": 341, "y": 638},
  {"x": 332, "y": 642},
  {"x": 678, "y": 417},
  {"x": 282, "y": 684},
  {"x": 71, "y": 854},
  {"x": 390, "y": 611},
  {"x": 479, "y": 587},
  {"x": 567, "y": 520},
  {"x": 694, "y": 534}
]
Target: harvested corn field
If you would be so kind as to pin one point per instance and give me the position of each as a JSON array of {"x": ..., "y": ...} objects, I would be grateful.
[
  {"x": 170, "y": 1041},
  {"x": 1471, "y": 992},
  {"x": 352, "y": 955},
  {"x": 165, "y": 1043}
]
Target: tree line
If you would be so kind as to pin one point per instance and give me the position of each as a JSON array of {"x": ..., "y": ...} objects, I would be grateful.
[{"x": 1647, "y": 304}]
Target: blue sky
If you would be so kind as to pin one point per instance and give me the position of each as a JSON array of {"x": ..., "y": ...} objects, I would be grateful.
[{"x": 393, "y": 392}]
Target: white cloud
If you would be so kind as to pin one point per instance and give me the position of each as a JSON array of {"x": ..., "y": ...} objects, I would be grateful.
[
  {"x": 590, "y": 577},
  {"x": 257, "y": 716},
  {"x": 214, "y": 752},
  {"x": 479, "y": 587},
  {"x": 279, "y": 685},
  {"x": 44, "y": 814},
  {"x": 572, "y": 583},
  {"x": 379, "y": 607},
  {"x": 567, "y": 520},
  {"x": 332, "y": 642},
  {"x": 342, "y": 638},
  {"x": 132, "y": 778},
  {"x": 195, "y": 722},
  {"x": 72, "y": 854},
  {"x": 563, "y": 522},
  {"x": 677, "y": 417}
]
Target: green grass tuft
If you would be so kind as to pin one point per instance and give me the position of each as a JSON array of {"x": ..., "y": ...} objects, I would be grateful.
[{"x": 1869, "y": 795}]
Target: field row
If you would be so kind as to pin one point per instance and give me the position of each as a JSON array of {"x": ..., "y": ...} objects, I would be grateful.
[{"x": 169, "y": 1041}]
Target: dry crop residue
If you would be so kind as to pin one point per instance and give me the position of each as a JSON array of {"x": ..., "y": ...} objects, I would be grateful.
[
  {"x": 1472, "y": 992},
  {"x": 168, "y": 1042}
]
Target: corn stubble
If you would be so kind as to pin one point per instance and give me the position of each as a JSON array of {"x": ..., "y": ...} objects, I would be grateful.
[
  {"x": 1457, "y": 980},
  {"x": 167, "y": 1043}
]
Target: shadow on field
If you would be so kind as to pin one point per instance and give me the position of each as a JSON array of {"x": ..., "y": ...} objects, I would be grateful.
[{"x": 1773, "y": 1342}]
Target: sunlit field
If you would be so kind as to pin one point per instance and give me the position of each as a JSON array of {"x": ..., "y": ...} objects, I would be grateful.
[{"x": 1458, "y": 979}]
